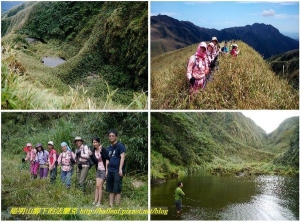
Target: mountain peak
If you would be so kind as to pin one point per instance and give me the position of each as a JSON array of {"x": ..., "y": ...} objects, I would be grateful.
[{"x": 264, "y": 38}]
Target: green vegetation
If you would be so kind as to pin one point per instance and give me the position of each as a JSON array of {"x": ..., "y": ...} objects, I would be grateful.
[
  {"x": 19, "y": 191},
  {"x": 286, "y": 66},
  {"x": 242, "y": 83},
  {"x": 104, "y": 43},
  {"x": 221, "y": 143}
]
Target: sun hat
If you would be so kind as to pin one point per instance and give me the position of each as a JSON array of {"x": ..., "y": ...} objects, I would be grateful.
[
  {"x": 199, "y": 53},
  {"x": 214, "y": 39},
  {"x": 39, "y": 145},
  {"x": 78, "y": 138},
  {"x": 51, "y": 143}
]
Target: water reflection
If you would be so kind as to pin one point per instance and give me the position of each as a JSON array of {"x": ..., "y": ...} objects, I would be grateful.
[
  {"x": 228, "y": 198},
  {"x": 52, "y": 62}
]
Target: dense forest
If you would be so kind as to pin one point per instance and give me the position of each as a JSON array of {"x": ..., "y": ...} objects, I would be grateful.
[
  {"x": 221, "y": 143},
  {"x": 102, "y": 42},
  {"x": 19, "y": 191}
]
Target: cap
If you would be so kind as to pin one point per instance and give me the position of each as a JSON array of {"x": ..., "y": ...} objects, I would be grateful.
[{"x": 51, "y": 143}]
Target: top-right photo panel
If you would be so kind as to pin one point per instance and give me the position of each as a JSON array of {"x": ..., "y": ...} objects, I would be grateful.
[{"x": 224, "y": 55}]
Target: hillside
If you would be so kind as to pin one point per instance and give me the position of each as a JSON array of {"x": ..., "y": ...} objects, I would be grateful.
[
  {"x": 219, "y": 143},
  {"x": 279, "y": 139},
  {"x": 18, "y": 190},
  {"x": 104, "y": 45},
  {"x": 168, "y": 34},
  {"x": 286, "y": 66},
  {"x": 5, "y": 6},
  {"x": 242, "y": 83}
]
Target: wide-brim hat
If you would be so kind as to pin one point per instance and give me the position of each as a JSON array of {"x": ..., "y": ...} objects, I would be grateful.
[
  {"x": 28, "y": 145},
  {"x": 214, "y": 39},
  {"x": 78, "y": 138},
  {"x": 39, "y": 145}
]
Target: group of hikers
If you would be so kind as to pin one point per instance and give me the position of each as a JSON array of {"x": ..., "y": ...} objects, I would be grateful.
[
  {"x": 204, "y": 62},
  {"x": 109, "y": 164}
]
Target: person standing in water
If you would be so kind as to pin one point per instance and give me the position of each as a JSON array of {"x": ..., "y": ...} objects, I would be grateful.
[{"x": 178, "y": 197}]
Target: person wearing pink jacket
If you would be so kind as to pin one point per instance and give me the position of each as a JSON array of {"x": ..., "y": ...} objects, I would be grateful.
[
  {"x": 210, "y": 53},
  {"x": 234, "y": 51},
  {"x": 66, "y": 160},
  {"x": 52, "y": 160},
  {"x": 31, "y": 155},
  {"x": 197, "y": 68}
]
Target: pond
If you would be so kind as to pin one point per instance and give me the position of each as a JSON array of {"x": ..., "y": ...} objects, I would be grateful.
[
  {"x": 52, "y": 62},
  {"x": 208, "y": 197}
]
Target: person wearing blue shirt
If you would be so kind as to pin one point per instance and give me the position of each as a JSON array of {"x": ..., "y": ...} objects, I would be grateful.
[
  {"x": 116, "y": 152},
  {"x": 224, "y": 49}
]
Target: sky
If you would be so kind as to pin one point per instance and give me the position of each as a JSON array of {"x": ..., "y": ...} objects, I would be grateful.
[
  {"x": 225, "y": 14},
  {"x": 269, "y": 120}
]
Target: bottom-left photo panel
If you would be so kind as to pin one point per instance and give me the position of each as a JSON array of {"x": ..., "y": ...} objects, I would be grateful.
[{"x": 74, "y": 166}]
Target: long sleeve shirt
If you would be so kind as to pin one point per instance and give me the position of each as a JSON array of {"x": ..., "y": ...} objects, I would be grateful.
[
  {"x": 179, "y": 193},
  {"x": 64, "y": 160},
  {"x": 197, "y": 67}
]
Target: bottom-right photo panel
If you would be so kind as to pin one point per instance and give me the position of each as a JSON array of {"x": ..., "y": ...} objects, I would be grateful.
[{"x": 225, "y": 165}]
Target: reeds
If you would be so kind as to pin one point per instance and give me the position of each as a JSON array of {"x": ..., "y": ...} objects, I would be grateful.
[{"x": 245, "y": 82}]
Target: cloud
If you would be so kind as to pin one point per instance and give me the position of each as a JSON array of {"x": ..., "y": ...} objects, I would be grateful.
[
  {"x": 266, "y": 13},
  {"x": 287, "y": 16}
]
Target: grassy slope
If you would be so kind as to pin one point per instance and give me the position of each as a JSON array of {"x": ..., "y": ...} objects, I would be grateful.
[
  {"x": 83, "y": 71},
  {"x": 290, "y": 61},
  {"x": 222, "y": 143},
  {"x": 242, "y": 83},
  {"x": 18, "y": 190}
]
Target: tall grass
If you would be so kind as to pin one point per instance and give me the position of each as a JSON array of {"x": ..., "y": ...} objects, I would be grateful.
[
  {"x": 41, "y": 89},
  {"x": 18, "y": 190},
  {"x": 245, "y": 82}
]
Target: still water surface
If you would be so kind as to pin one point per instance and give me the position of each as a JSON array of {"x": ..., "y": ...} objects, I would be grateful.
[
  {"x": 52, "y": 62},
  {"x": 208, "y": 197}
]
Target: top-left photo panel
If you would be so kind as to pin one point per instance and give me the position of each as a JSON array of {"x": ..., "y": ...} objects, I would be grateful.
[{"x": 81, "y": 55}]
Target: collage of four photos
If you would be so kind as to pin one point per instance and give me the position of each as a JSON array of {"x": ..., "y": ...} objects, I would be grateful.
[{"x": 150, "y": 110}]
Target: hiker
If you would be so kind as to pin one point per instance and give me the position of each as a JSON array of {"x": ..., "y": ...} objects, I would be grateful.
[
  {"x": 42, "y": 160},
  {"x": 66, "y": 159},
  {"x": 116, "y": 153},
  {"x": 31, "y": 154},
  {"x": 178, "y": 197},
  {"x": 82, "y": 156},
  {"x": 210, "y": 53},
  {"x": 197, "y": 69},
  {"x": 214, "y": 40},
  {"x": 53, "y": 156},
  {"x": 234, "y": 51},
  {"x": 224, "y": 49},
  {"x": 100, "y": 158}
]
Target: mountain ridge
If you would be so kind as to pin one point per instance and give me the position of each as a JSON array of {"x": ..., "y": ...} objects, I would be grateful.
[
  {"x": 226, "y": 140},
  {"x": 263, "y": 38}
]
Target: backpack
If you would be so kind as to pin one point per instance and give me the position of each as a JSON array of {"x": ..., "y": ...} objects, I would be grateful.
[{"x": 90, "y": 160}]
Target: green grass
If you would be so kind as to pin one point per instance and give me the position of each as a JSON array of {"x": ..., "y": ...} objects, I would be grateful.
[
  {"x": 95, "y": 74},
  {"x": 242, "y": 83},
  {"x": 18, "y": 190},
  {"x": 41, "y": 88}
]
